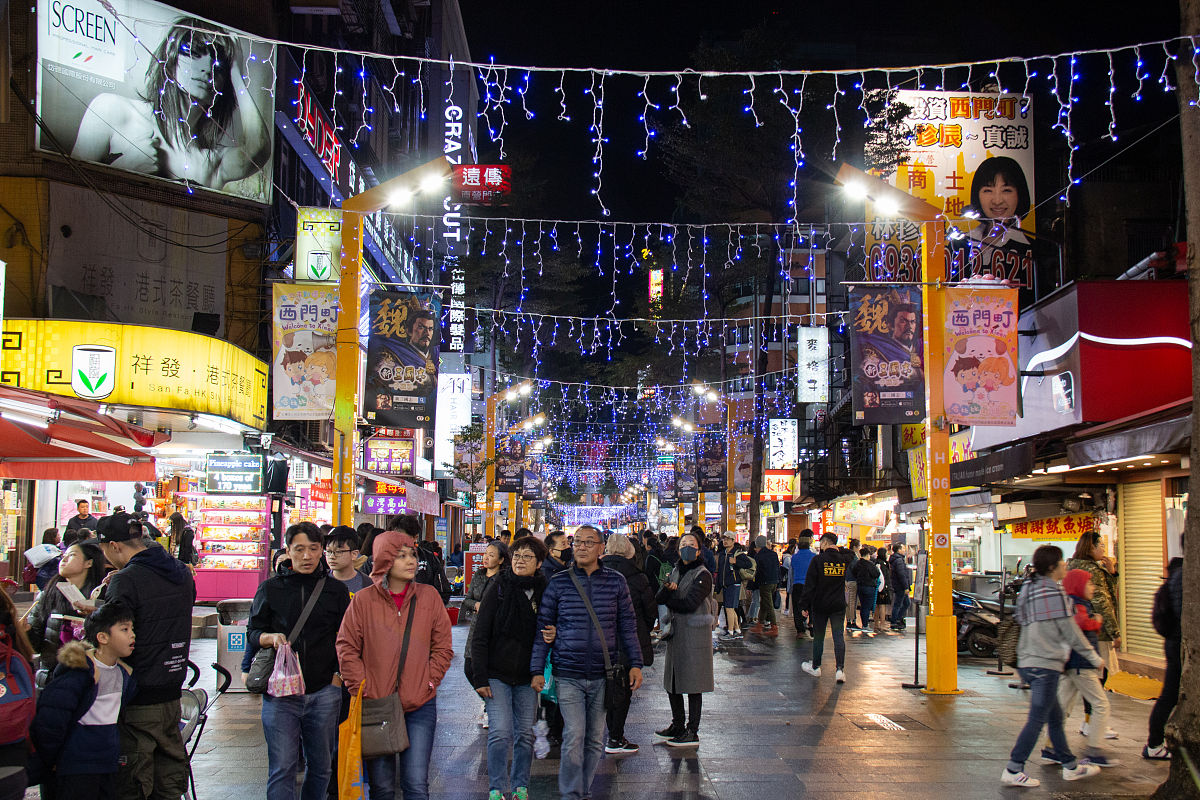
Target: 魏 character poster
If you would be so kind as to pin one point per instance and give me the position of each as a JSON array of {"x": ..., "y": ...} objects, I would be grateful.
[{"x": 402, "y": 359}]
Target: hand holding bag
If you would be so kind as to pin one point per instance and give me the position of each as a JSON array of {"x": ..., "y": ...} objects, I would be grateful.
[
  {"x": 286, "y": 679},
  {"x": 616, "y": 677},
  {"x": 264, "y": 660},
  {"x": 383, "y": 730}
]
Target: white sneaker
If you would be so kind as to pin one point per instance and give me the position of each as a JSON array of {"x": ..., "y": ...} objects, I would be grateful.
[
  {"x": 1111, "y": 734},
  {"x": 1019, "y": 779},
  {"x": 839, "y": 676},
  {"x": 1080, "y": 772},
  {"x": 1086, "y": 728},
  {"x": 808, "y": 667}
]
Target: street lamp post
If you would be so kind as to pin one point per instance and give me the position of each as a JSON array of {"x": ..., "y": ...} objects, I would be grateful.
[
  {"x": 345, "y": 407},
  {"x": 941, "y": 655}
]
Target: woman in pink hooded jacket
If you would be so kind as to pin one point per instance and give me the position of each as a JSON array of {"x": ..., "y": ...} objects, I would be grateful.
[{"x": 368, "y": 648}]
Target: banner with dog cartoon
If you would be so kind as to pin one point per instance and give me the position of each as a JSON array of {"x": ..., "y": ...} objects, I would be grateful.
[
  {"x": 981, "y": 386},
  {"x": 303, "y": 364},
  {"x": 888, "y": 376}
]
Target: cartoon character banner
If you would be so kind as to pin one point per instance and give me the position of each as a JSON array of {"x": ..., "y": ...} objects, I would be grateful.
[
  {"x": 402, "y": 359},
  {"x": 304, "y": 360},
  {"x": 685, "y": 479},
  {"x": 532, "y": 486},
  {"x": 967, "y": 151},
  {"x": 710, "y": 463},
  {"x": 888, "y": 378},
  {"x": 981, "y": 347},
  {"x": 142, "y": 87},
  {"x": 510, "y": 466},
  {"x": 666, "y": 485}
]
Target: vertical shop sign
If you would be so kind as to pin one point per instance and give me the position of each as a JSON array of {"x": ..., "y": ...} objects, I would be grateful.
[{"x": 812, "y": 384}]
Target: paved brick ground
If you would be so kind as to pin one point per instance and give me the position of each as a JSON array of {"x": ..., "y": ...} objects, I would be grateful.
[{"x": 769, "y": 731}]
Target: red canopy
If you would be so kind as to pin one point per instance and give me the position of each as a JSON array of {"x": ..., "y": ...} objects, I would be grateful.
[{"x": 49, "y": 437}]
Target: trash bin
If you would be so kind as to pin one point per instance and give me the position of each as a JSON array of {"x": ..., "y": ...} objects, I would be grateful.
[{"x": 232, "y": 617}]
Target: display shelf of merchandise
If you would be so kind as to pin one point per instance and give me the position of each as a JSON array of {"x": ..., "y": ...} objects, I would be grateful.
[{"x": 232, "y": 538}]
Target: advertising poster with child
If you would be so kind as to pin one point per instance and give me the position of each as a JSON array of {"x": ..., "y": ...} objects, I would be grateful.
[
  {"x": 981, "y": 347},
  {"x": 303, "y": 364}
]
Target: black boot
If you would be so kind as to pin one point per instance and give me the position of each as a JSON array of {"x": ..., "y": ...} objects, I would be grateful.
[{"x": 671, "y": 731}]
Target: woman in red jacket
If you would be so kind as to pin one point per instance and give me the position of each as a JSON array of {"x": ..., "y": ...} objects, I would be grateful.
[{"x": 368, "y": 648}]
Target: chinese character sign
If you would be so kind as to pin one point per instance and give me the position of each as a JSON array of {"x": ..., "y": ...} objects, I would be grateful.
[
  {"x": 710, "y": 463},
  {"x": 510, "y": 465},
  {"x": 303, "y": 354},
  {"x": 888, "y": 375},
  {"x": 784, "y": 444},
  {"x": 402, "y": 359},
  {"x": 812, "y": 384},
  {"x": 685, "y": 479},
  {"x": 318, "y": 244},
  {"x": 458, "y": 320},
  {"x": 965, "y": 149},
  {"x": 1056, "y": 529},
  {"x": 981, "y": 380},
  {"x": 483, "y": 184}
]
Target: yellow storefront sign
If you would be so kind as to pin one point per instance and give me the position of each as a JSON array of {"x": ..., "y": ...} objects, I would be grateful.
[
  {"x": 1054, "y": 529},
  {"x": 960, "y": 450},
  {"x": 135, "y": 365}
]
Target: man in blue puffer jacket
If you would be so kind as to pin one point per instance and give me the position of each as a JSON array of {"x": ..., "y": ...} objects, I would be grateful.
[{"x": 578, "y": 654}]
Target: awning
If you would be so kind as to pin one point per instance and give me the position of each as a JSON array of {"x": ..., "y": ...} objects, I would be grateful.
[
  {"x": 1159, "y": 437},
  {"x": 50, "y": 437}
]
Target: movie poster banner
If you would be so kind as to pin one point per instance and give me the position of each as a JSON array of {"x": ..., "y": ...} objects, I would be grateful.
[
  {"x": 981, "y": 386},
  {"x": 118, "y": 81},
  {"x": 303, "y": 355},
  {"x": 510, "y": 466},
  {"x": 666, "y": 486},
  {"x": 532, "y": 487},
  {"x": 402, "y": 359},
  {"x": 710, "y": 463},
  {"x": 888, "y": 378},
  {"x": 685, "y": 479}
]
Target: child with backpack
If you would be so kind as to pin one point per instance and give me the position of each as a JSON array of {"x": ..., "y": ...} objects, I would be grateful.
[
  {"x": 1080, "y": 678},
  {"x": 16, "y": 701},
  {"x": 75, "y": 730}
]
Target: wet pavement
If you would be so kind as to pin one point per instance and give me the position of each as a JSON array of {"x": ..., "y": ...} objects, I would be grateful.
[{"x": 769, "y": 731}]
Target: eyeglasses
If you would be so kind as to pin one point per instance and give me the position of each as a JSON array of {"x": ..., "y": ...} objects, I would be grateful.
[
  {"x": 524, "y": 556},
  {"x": 586, "y": 543},
  {"x": 339, "y": 552}
]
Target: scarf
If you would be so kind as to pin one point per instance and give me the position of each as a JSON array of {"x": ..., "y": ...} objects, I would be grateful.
[
  {"x": 1040, "y": 600},
  {"x": 514, "y": 604}
]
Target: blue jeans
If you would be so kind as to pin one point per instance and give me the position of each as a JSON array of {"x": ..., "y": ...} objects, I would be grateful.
[
  {"x": 311, "y": 718},
  {"x": 1043, "y": 710},
  {"x": 866, "y": 604},
  {"x": 581, "y": 702},
  {"x": 414, "y": 762},
  {"x": 900, "y": 601},
  {"x": 511, "y": 712}
]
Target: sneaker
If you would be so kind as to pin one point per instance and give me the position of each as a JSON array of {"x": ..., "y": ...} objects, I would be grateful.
[
  {"x": 688, "y": 738},
  {"x": 1086, "y": 729},
  {"x": 1100, "y": 761},
  {"x": 1160, "y": 753},
  {"x": 496, "y": 794},
  {"x": 851, "y": 626},
  {"x": 671, "y": 731},
  {"x": 1019, "y": 779},
  {"x": 730, "y": 637},
  {"x": 1050, "y": 756},
  {"x": 1111, "y": 734},
  {"x": 1082, "y": 770},
  {"x": 772, "y": 631},
  {"x": 839, "y": 676},
  {"x": 623, "y": 746},
  {"x": 520, "y": 793},
  {"x": 808, "y": 667}
]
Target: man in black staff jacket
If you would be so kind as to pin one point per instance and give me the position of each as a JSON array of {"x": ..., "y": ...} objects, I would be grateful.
[
  {"x": 825, "y": 599},
  {"x": 160, "y": 591}
]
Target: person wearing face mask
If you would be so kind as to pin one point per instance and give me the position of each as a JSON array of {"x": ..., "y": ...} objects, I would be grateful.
[
  {"x": 312, "y": 716},
  {"x": 688, "y": 669},
  {"x": 369, "y": 648},
  {"x": 559, "y": 554}
]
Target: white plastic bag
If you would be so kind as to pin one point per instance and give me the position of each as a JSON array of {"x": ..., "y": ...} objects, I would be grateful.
[{"x": 286, "y": 679}]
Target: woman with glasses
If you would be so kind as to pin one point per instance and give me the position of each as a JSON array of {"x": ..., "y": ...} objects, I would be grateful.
[
  {"x": 495, "y": 558},
  {"x": 500, "y": 652}
]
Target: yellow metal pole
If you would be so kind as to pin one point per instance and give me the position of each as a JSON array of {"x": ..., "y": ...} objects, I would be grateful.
[
  {"x": 345, "y": 406},
  {"x": 489, "y": 444},
  {"x": 941, "y": 632},
  {"x": 682, "y": 518},
  {"x": 730, "y": 467},
  {"x": 512, "y": 512}
]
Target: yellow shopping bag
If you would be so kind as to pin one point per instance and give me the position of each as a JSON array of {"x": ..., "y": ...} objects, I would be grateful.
[{"x": 350, "y": 764}]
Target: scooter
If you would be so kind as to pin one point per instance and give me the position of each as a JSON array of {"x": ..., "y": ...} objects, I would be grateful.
[{"x": 978, "y": 627}]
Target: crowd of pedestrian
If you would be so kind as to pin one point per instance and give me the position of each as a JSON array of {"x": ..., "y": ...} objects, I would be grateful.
[{"x": 561, "y": 630}]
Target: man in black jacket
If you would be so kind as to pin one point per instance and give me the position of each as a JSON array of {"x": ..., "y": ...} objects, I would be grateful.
[
  {"x": 900, "y": 585},
  {"x": 277, "y": 607},
  {"x": 766, "y": 578},
  {"x": 160, "y": 591},
  {"x": 825, "y": 598},
  {"x": 1156, "y": 748}
]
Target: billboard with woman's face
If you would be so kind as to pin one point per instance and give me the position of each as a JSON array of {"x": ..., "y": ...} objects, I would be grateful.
[{"x": 139, "y": 86}]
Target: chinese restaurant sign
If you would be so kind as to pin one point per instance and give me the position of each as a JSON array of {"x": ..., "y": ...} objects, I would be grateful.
[
  {"x": 981, "y": 346},
  {"x": 135, "y": 365},
  {"x": 1065, "y": 528},
  {"x": 812, "y": 383}
]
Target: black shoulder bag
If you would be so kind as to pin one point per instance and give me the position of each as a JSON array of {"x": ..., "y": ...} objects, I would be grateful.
[
  {"x": 264, "y": 660},
  {"x": 383, "y": 730},
  {"x": 617, "y": 693}
]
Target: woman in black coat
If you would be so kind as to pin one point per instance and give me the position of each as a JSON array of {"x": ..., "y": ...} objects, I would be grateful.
[{"x": 619, "y": 554}]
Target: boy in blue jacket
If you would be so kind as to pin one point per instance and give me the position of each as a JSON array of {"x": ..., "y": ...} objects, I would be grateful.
[{"x": 74, "y": 731}]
